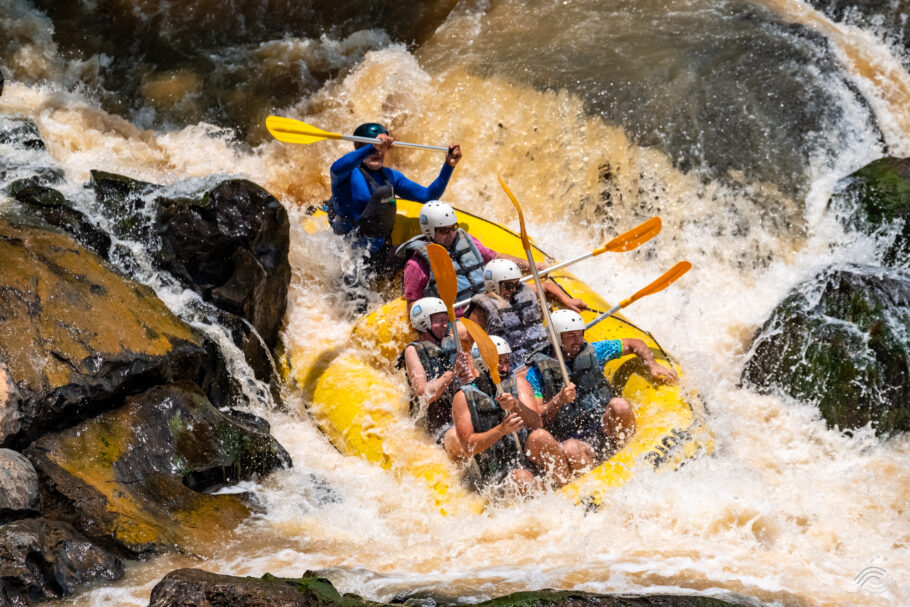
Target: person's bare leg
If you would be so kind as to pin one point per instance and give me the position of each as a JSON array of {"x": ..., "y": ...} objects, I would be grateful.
[
  {"x": 525, "y": 481},
  {"x": 619, "y": 422},
  {"x": 546, "y": 452},
  {"x": 579, "y": 454}
]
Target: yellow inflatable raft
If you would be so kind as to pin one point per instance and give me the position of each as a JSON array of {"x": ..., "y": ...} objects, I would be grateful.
[{"x": 360, "y": 401}]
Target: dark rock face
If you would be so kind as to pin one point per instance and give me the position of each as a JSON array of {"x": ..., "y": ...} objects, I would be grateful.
[
  {"x": 75, "y": 337},
  {"x": 18, "y": 483},
  {"x": 232, "y": 245},
  {"x": 229, "y": 244},
  {"x": 51, "y": 206},
  {"x": 876, "y": 200},
  {"x": 841, "y": 341},
  {"x": 42, "y": 559},
  {"x": 133, "y": 477},
  {"x": 197, "y": 588}
]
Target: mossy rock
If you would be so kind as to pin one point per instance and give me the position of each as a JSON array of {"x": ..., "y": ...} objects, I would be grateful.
[
  {"x": 876, "y": 200},
  {"x": 134, "y": 477},
  {"x": 191, "y": 587},
  {"x": 842, "y": 342},
  {"x": 75, "y": 336}
]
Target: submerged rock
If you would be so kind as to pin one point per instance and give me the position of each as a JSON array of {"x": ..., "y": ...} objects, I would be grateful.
[
  {"x": 228, "y": 243},
  {"x": 42, "y": 559},
  {"x": 75, "y": 337},
  {"x": 194, "y": 587},
  {"x": 134, "y": 477},
  {"x": 876, "y": 200},
  {"x": 25, "y": 154},
  {"x": 841, "y": 341},
  {"x": 18, "y": 483}
]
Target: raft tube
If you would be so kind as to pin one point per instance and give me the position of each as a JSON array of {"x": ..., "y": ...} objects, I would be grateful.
[{"x": 360, "y": 401}]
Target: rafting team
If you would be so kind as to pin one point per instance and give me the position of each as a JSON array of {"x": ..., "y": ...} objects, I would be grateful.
[{"x": 540, "y": 429}]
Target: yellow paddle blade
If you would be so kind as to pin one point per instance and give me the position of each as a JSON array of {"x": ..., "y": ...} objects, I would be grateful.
[
  {"x": 444, "y": 272},
  {"x": 521, "y": 218},
  {"x": 289, "y": 130},
  {"x": 633, "y": 238},
  {"x": 661, "y": 283},
  {"x": 488, "y": 351}
]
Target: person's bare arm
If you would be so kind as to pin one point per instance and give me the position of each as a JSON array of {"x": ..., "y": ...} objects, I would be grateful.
[
  {"x": 636, "y": 346},
  {"x": 478, "y": 442},
  {"x": 556, "y": 292},
  {"x": 430, "y": 390},
  {"x": 528, "y": 415}
]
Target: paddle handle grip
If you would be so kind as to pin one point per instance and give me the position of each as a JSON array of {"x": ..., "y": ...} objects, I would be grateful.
[
  {"x": 606, "y": 314},
  {"x": 403, "y": 144}
]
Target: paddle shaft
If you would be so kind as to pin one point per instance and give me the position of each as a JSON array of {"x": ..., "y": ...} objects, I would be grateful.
[
  {"x": 464, "y": 302},
  {"x": 603, "y": 316},
  {"x": 403, "y": 144},
  {"x": 554, "y": 338}
]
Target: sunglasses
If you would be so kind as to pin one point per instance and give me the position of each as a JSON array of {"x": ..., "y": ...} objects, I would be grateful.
[{"x": 447, "y": 230}]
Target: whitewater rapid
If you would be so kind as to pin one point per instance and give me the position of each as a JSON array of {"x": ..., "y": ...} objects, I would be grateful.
[{"x": 787, "y": 511}]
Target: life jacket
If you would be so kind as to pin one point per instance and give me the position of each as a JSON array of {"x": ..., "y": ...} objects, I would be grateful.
[
  {"x": 436, "y": 360},
  {"x": 520, "y": 322},
  {"x": 496, "y": 462},
  {"x": 582, "y": 418},
  {"x": 378, "y": 217},
  {"x": 466, "y": 259}
]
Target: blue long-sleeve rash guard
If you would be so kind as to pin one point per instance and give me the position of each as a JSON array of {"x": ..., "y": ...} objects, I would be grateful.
[{"x": 351, "y": 193}]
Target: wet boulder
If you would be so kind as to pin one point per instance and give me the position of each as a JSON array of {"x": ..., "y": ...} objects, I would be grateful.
[
  {"x": 52, "y": 207},
  {"x": 229, "y": 242},
  {"x": 18, "y": 484},
  {"x": 841, "y": 341},
  {"x": 75, "y": 337},
  {"x": 876, "y": 200},
  {"x": 136, "y": 477},
  {"x": 42, "y": 559}
]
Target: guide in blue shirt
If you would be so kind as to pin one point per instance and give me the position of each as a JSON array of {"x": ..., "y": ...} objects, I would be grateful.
[{"x": 364, "y": 191}]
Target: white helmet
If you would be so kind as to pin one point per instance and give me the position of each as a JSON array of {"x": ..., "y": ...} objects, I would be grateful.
[
  {"x": 502, "y": 346},
  {"x": 497, "y": 271},
  {"x": 566, "y": 320},
  {"x": 436, "y": 214},
  {"x": 422, "y": 310}
]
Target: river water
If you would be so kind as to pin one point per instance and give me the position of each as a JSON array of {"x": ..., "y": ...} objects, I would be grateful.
[{"x": 731, "y": 120}]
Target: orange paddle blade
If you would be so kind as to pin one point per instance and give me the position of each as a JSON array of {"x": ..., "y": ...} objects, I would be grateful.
[
  {"x": 444, "y": 272},
  {"x": 521, "y": 218},
  {"x": 487, "y": 348},
  {"x": 633, "y": 238},
  {"x": 665, "y": 280}
]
